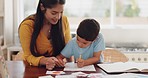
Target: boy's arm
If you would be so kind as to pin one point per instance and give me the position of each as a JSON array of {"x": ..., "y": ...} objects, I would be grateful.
[
  {"x": 65, "y": 53},
  {"x": 94, "y": 59}
]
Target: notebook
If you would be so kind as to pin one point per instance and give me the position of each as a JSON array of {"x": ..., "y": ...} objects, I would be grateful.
[
  {"x": 3, "y": 67},
  {"x": 120, "y": 67},
  {"x": 73, "y": 67}
]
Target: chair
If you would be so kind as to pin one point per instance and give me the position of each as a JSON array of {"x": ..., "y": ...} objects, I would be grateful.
[
  {"x": 18, "y": 56},
  {"x": 3, "y": 67},
  {"x": 113, "y": 55},
  {"x": 1, "y": 40}
]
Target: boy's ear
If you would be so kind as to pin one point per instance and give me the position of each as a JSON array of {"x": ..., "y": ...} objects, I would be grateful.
[{"x": 42, "y": 7}]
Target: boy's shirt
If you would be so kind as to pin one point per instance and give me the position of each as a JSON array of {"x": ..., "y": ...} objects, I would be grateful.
[{"x": 72, "y": 49}]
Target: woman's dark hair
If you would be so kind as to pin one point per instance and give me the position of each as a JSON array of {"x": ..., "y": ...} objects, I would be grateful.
[
  {"x": 88, "y": 29},
  {"x": 57, "y": 37}
]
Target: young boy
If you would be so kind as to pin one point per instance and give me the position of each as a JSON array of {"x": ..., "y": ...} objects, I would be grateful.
[{"x": 87, "y": 46}]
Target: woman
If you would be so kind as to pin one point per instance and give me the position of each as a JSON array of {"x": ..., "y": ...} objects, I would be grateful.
[{"x": 44, "y": 34}]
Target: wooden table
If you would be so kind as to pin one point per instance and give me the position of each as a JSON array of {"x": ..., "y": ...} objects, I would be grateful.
[{"x": 21, "y": 69}]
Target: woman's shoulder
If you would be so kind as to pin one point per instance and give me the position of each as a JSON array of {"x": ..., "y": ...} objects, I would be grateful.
[
  {"x": 65, "y": 23},
  {"x": 64, "y": 19},
  {"x": 28, "y": 21}
]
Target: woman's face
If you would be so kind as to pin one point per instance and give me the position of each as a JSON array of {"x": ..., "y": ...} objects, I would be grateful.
[
  {"x": 82, "y": 43},
  {"x": 52, "y": 15}
]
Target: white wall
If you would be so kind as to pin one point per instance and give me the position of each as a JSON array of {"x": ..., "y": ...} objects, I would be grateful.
[
  {"x": 1, "y": 16},
  {"x": 1, "y": 25},
  {"x": 8, "y": 22}
]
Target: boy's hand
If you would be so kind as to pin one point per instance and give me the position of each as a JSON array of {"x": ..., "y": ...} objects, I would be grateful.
[{"x": 80, "y": 62}]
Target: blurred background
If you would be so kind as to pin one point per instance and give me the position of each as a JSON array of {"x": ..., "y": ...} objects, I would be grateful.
[{"x": 124, "y": 23}]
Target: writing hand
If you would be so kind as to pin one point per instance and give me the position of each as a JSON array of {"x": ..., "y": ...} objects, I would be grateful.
[{"x": 80, "y": 62}]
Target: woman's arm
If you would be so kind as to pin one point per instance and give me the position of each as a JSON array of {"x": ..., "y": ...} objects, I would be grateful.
[{"x": 25, "y": 33}]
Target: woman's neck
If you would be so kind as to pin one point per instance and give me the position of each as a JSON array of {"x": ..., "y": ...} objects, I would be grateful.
[{"x": 46, "y": 28}]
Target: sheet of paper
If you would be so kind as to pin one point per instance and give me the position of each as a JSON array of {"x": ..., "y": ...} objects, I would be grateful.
[
  {"x": 49, "y": 76},
  {"x": 73, "y": 67},
  {"x": 55, "y": 72},
  {"x": 65, "y": 76},
  {"x": 73, "y": 75},
  {"x": 95, "y": 75},
  {"x": 78, "y": 73}
]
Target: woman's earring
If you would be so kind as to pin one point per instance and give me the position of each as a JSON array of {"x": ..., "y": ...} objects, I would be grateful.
[{"x": 42, "y": 8}]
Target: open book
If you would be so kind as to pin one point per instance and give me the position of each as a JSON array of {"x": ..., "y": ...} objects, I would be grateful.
[{"x": 120, "y": 67}]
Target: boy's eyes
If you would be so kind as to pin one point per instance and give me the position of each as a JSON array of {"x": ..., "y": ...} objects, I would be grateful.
[
  {"x": 81, "y": 42},
  {"x": 84, "y": 43}
]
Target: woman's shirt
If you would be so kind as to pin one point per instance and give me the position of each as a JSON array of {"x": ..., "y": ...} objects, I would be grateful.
[
  {"x": 72, "y": 49},
  {"x": 43, "y": 44}
]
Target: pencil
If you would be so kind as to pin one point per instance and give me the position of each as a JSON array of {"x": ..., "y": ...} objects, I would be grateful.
[{"x": 80, "y": 56}]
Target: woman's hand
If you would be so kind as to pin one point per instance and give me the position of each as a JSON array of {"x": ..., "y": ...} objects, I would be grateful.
[
  {"x": 49, "y": 62},
  {"x": 60, "y": 63}
]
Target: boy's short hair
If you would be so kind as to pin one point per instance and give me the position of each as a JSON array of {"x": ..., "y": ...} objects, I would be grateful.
[{"x": 88, "y": 29}]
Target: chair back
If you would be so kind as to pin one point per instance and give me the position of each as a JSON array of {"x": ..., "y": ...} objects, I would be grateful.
[
  {"x": 19, "y": 56},
  {"x": 113, "y": 55}
]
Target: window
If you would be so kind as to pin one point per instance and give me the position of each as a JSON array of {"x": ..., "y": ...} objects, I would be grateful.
[
  {"x": 131, "y": 12},
  {"x": 30, "y": 7},
  {"x": 77, "y": 10},
  {"x": 120, "y": 19},
  {"x": 110, "y": 13}
]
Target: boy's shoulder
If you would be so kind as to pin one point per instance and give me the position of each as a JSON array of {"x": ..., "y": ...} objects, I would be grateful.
[{"x": 100, "y": 35}]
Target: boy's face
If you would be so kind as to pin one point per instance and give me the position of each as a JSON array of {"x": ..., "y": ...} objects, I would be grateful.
[{"x": 82, "y": 43}]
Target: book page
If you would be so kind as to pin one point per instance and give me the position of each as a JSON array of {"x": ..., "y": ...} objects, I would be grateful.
[
  {"x": 121, "y": 67},
  {"x": 73, "y": 67},
  {"x": 143, "y": 67},
  {"x": 126, "y": 75}
]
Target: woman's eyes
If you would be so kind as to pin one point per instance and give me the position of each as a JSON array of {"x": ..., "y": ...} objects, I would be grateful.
[{"x": 53, "y": 13}]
